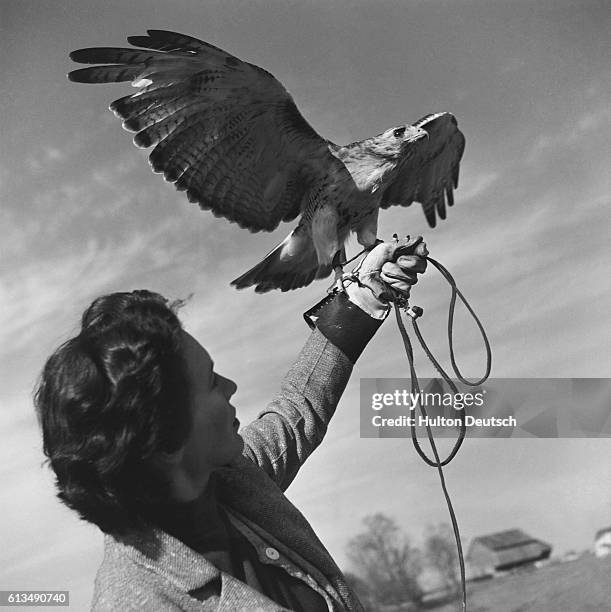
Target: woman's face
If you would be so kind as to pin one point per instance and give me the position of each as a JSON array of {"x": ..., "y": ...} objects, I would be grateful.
[{"x": 214, "y": 440}]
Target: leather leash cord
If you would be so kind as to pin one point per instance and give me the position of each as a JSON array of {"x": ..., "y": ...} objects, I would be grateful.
[{"x": 414, "y": 313}]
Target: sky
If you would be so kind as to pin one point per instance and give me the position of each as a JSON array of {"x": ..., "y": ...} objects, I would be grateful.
[{"x": 527, "y": 240}]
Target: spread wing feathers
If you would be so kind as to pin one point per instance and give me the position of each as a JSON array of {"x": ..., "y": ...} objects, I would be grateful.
[
  {"x": 431, "y": 175},
  {"x": 290, "y": 265},
  {"x": 223, "y": 130}
]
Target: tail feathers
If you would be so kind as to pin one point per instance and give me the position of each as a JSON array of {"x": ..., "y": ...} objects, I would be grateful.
[{"x": 290, "y": 265}]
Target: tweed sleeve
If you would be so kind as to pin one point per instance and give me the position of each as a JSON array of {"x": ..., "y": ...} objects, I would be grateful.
[{"x": 282, "y": 437}]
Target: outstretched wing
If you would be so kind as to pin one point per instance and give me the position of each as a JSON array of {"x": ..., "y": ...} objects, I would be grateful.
[
  {"x": 431, "y": 175},
  {"x": 224, "y": 131}
]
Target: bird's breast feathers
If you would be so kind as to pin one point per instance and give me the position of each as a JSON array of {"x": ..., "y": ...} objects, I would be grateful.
[{"x": 368, "y": 173}]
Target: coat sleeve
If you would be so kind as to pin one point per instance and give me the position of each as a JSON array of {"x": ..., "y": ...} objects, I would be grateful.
[{"x": 283, "y": 436}]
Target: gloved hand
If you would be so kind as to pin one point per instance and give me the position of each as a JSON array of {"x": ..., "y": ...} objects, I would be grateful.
[{"x": 393, "y": 267}]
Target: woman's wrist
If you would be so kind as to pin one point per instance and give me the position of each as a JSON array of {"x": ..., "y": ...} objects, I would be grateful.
[{"x": 364, "y": 297}]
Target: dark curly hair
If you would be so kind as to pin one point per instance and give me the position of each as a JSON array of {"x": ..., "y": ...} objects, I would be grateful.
[{"x": 108, "y": 400}]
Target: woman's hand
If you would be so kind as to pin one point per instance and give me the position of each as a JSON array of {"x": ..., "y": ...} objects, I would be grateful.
[{"x": 392, "y": 268}]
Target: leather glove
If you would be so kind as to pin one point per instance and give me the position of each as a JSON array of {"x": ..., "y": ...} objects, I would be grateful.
[{"x": 391, "y": 268}]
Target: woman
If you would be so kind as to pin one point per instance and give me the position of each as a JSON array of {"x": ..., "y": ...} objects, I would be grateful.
[{"x": 144, "y": 442}]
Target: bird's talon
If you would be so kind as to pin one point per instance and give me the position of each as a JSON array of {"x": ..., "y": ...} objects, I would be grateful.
[{"x": 338, "y": 283}]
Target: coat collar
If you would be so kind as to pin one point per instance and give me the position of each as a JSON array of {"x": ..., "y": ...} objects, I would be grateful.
[
  {"x": 163, "y": 554},
  {"x": 186, "y": 569}
]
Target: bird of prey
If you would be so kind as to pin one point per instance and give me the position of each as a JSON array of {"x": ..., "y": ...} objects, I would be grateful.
[{"x": 229, "y": 134}]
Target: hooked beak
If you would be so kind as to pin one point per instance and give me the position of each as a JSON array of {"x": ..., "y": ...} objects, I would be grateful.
[
  {"x": 415, "y": 134},
  {"x": 422, "y": 134}
]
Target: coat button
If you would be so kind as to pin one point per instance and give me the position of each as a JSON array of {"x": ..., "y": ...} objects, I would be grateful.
[{"x": 272, "y": 553}]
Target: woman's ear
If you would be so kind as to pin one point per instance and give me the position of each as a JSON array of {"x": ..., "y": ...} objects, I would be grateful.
[{"x": 166, "y": 461}]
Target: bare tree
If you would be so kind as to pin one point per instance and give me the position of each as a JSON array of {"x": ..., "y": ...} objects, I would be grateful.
[
  {"x": 362, "y": 589},
  {"x": 385, "y": 560},
  {"x": 441, "y": 554}
]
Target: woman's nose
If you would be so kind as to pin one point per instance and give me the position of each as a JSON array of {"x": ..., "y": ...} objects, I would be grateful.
[{"x": 229, "y": 386}]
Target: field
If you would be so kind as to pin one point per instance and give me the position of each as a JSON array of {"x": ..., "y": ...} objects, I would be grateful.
[{"x": 583, "y": 585}]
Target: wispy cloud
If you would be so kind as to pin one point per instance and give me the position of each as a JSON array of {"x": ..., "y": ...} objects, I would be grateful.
[
  {"x": 476, "y": 183},
  {"x": 44, "y": 158},
  {"x": 111, "y": 173},
  {"x": 569, "y": 133},
  {"x": 35, "y": 294}
]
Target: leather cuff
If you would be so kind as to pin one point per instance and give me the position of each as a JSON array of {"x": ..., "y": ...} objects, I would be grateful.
[{"x": 343, "y": 323}]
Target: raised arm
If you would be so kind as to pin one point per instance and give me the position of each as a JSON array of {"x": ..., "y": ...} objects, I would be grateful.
[{"x": 282, "y": 437}]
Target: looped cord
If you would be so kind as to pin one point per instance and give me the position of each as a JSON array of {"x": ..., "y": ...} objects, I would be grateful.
[{"x": 437, "y": 463}]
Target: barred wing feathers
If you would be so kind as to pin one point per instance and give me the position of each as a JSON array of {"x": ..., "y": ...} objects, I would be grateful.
[
  {"x": 430, "y": 176},
  {"x": 223, "y": 130}
]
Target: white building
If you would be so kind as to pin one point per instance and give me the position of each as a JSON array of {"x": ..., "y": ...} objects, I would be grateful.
[{"x": 602, "y": 542}]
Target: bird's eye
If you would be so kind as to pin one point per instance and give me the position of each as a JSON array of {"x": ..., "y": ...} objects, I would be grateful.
[{"x": 399, "y": 132}]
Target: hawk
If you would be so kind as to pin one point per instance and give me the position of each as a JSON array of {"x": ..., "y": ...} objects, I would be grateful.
[{"x": 229, "y": 134}]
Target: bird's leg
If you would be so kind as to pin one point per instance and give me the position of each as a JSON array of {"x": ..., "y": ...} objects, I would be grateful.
[
  {"x": 362, "y": 252},
  {"x": 338, "y": 269},
  {"x": 338, "y": 266}
]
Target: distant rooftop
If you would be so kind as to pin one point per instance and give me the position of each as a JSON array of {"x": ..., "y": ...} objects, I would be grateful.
[
  {"x": 505, "y": 539},
  {"x": 601, "y": 532}
]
